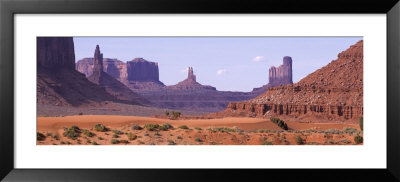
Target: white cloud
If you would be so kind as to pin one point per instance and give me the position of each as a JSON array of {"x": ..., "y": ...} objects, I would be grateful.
[
  {"x": 184, "y": 70},
  {"x": 221, "y": 71},
  {"x": 258, "y": 58}
]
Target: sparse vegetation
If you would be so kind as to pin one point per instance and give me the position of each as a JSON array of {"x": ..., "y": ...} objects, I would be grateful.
[
  {"x": 124, "y": 141},
  {"x": 151, "y": 127},
  {"x": 175, "y": 114},
  {"x": 361, "y": 123},
  {"x": 72, "y": 133},
  {"x": 117, "y": 132},
  {"x": 170, "y": 142},
  {"x": 87, "y": 133},
  {"x": 100, "y": 138},
  {"x": 299, "y": 140},
  {"x": 197, "y": 139},
  {"x": 100, "y": 127},
  {"x": 114, "y": 141},
  {"x": 197, "y": 128},
  {"x": 267, "y": 143},
  {"x": 40, "y": 136},
  {"x": 95, "y": 143},
  {"x": 115, "y": 136},
  {"x": 179, "y": 137},
  {"x": 136, "y": 127},
  {"x": 165, "y": 127},
  {"x": 183, "y": 127},
  {"x": 166, "y": 113},
  {"x": 280, "y": 123},
  {"x": 131, "y": 136},
  {"x": 358, "y": 139},
  {"x": 81, "y": 113}
]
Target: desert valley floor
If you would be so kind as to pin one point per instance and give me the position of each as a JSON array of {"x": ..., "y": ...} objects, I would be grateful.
[{"x": 131, "y": 130}]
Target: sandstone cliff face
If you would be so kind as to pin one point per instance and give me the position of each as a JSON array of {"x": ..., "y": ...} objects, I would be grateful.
[
  {"x": 56, "y": 52},
  {"x": 58, "y": 83},
  {"x": 110, "y": 84},
  {"x": 334, "y": 92},
  {"x": 144, "y": 75},
  {"x": 281, "y": 75},
  {"x": 114, "y": 67},
  {"x": 142, "y": 70}
]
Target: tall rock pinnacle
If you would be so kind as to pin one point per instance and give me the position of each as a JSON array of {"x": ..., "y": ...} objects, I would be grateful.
[
  {"x": 191, "y": 76},
  {"x": 98, "y": 60}
]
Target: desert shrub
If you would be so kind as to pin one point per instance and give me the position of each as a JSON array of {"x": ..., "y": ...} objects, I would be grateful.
[
  {"x": 40, "y": 136},
  {"x": 176, "y": 115},
  {"x": 197, "y": 139},
  {"x": 117, "y": 132},
  {"x": 299, "y": 140},
  {"x": 179, "y": 137},
  {"x": 151, "y": 127},
  {"x": 100, "y": 127},
  {"x": 166, "y": 113},
  {"x": 349, "y": 130},
  {"x": 332, "y": 131},
  {"x": 81, "y": 113},
  {"x": 68, "y": 143},
  {"x": 358, "y": 139},
  {"x": 267, "y": 143},
  {"x": 140, "y": 142},
  {"x": 49, "y": 134},
  {"x": 345, "y": 141},
  {"x": 131, "y": 136},
  {"x": 197, "y": 128},
  {"x": 62, "y": 142},
  {"x": 361, "y": 123},
  {"x": 87, "y": 133},
  {"x": 280, "y": 123},
  {"x": 115, "y": 136},
  {"x": 114, "y": 141},
  {"x": 183, "y": 127},
  {"x": 170, "y": 142},
  {"x": 95, "y": 143},
  {"x": 157, "y": 134},
  {"x": 165, "y": 127},
  {"x": 124, "y": 141},
  {"x": 72, "y": 133},
  {"x": 136, "y": 127},
  {"x": 100, "y": 138}
]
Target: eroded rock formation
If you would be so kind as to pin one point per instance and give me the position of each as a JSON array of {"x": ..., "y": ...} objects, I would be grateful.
[
  {"x": 110, "y": 84},
  {"x": 190, "y": 83},
  {"x": 113, "y": 67},
  {"x": 58, "y": 83},
  {"x": 281, "y": 75},
  {"x": 334, "y": 92}
]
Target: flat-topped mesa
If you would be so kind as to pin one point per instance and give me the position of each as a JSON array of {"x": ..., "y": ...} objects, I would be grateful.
[
  {"x": 281, "y": 75},
  {"x": 142, "y": 70}
]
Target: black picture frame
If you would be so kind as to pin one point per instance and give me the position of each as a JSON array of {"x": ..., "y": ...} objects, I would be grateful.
[{"x": 9, "y": 8}]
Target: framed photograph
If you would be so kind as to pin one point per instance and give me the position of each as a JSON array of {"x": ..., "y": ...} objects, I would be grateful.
[{"x": 126, "y": 91}]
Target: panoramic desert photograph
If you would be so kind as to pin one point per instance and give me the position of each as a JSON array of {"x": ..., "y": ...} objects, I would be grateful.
[{"x": 199, "y": 91}]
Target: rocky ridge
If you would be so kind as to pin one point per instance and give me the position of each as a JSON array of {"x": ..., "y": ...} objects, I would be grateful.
[{"x": 333, "y": 92}]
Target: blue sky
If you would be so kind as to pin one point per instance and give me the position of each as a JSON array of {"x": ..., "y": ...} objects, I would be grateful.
[{"x": 227, "y": 63}]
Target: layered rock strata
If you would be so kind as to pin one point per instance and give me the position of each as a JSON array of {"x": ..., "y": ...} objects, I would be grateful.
[{"x": 334, "y": 92}]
